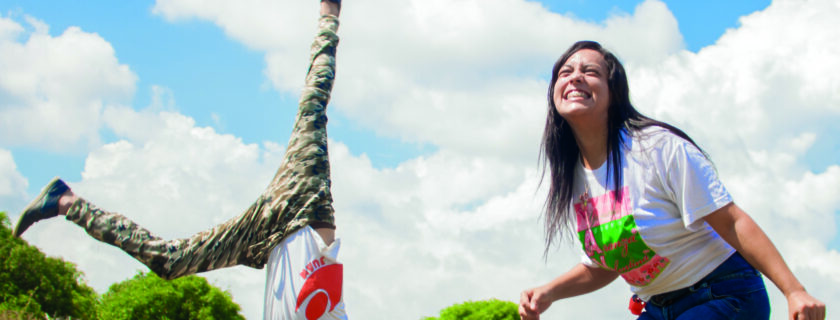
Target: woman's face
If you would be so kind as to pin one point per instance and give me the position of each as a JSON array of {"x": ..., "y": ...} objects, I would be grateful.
[{"x": 582, "y": 88}]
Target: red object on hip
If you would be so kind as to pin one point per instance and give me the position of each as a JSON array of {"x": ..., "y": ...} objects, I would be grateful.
[{"x": 636, "y": 305}]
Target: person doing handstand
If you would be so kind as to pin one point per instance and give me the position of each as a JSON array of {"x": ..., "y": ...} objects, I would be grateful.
[{"x": 298, "y": 195}]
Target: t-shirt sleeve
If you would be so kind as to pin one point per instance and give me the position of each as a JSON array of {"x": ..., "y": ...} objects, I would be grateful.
[{"x": 694, "y": 183}]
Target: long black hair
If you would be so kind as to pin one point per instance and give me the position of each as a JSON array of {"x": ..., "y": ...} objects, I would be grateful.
[{"x": 559, "y": 150}]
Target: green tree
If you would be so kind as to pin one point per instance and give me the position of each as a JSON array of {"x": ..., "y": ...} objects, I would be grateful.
[
  {"x": 147, "y": 296},
  {"x": 33, "y": 285},
  {"x": 491, "y": 309}
]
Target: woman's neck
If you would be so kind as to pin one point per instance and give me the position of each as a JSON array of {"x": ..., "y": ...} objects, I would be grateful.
[{"x": 592, "y": 143}]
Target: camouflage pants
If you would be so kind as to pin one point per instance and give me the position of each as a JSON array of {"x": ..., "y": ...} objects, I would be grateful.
[{"x": 298, "y": 195}]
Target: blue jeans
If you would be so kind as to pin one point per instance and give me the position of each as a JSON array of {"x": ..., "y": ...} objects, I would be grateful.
[{"x": 734, "y": 290}]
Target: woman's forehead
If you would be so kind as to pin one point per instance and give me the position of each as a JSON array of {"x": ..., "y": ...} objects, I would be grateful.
[{"x": 585, "y": 56}]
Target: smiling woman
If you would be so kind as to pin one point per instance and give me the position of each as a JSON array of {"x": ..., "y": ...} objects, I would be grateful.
[{"x": 648, "y": 206}]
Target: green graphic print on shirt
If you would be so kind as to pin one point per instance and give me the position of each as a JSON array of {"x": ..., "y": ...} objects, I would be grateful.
[{"x": 610, "y": 238}]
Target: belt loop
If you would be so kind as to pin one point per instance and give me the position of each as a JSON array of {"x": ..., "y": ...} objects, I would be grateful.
[{"x": 700, "y": 285}]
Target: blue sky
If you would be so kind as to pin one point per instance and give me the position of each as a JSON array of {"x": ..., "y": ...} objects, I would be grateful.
[{"x": 434, "y": 127}]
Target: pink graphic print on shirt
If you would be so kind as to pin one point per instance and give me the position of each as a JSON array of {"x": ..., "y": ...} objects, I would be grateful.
[{"x": 610, "y": 237}]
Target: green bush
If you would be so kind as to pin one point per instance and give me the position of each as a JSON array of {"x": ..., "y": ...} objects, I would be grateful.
[
  {"x": 147, "y": 296},
  {"x": 480, "y": 310},
  {"x": 33, "y": 285}
]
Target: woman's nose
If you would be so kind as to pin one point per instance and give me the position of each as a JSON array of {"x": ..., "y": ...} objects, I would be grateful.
[{"x": 576, "y": 77}]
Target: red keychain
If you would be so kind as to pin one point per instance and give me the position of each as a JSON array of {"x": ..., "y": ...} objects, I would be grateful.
[{"x": 636, "y": 305}]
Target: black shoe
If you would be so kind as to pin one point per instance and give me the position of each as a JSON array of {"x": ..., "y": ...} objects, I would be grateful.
[{"x": 45, "y": 206}]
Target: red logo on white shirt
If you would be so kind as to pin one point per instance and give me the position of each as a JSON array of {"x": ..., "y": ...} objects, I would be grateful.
[{"x": 321, "y": 291}]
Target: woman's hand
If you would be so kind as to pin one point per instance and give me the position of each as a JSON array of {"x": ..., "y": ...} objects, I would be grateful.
[
  {"x": 802, "y": 306},
  {"x": 581, "y": 279},
  {"x": 533, "y": 302}
]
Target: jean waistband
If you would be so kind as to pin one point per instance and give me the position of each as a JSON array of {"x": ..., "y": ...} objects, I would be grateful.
[{"x": 735, "y": 264}]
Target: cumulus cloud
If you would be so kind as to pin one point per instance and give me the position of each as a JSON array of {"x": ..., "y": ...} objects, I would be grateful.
[
  {"x": 53, "y": 89},
  {"x": 449, "y": 73},
  {"x": 752, "y": 102},
  {"x": 469, "y": 77},
  {"x": 171, "y": 177},
  {"x": 12, "y": 184}
]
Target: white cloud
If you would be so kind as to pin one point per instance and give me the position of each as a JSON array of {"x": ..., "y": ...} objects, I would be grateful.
[
  {"x": 464, "y": 74},
  {"x": 53, "y": 89},
  {"x": 9, "y": 30},
  {"x": 421, "y": 236},
  {"x": 171, "y": 177},
  {"x": 12, "y": 184},
  {"x": 759, "y": 99},
  {"x": 177, "y": 160},
  {"x": 444, "y": 72}
]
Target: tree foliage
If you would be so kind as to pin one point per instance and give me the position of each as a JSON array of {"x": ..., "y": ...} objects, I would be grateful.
[
  {"x": 147, "y": 296},
  {"x": 491, "y": 309},
  {"x": 33, "y": 285}
]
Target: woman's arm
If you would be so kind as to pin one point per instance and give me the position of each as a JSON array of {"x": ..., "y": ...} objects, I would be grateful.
[
  {"x": 742, "y": 233},
  {"x": 581, "y": 279}
]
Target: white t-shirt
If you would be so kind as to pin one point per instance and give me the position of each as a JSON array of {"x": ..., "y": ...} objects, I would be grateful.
[
  {"x": 304, "y": 279},
  {"x": 654, "y": 235}
]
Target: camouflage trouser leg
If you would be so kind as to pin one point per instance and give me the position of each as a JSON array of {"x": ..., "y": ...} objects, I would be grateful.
[{"x": 299, "y": 195}]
